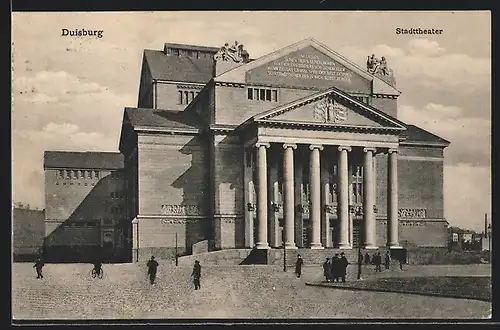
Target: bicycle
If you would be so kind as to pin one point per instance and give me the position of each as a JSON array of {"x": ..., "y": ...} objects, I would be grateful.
[{"x": 99, "y": 274}]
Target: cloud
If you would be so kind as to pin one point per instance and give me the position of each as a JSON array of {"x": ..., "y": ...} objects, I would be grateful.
[
  {"x": 424, "y": 48},
  {"x": 467, "y": 195},
  {"x": 470, "y": 137},
  {"x": 442, "y": 71}
]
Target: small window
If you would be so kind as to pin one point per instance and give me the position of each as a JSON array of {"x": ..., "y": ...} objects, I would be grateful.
[
  {"x": 180, "y": 97},
  {"x": 262, "y": 95},
  {"x": 61, "y": 174},
  {"x": 268, "y": 95},
  {"x": 96, "y": 174},
  {"x": 275, "y": 96},
  {"x": 192, "y": 95},
  {"x": 175, "y": 51},
  {"x": 250, "y": 94},
  {"x": 186, "y": 97}
]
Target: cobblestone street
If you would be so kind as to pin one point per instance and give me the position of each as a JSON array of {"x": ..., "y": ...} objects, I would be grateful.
[{"x": 67, "y": 291}]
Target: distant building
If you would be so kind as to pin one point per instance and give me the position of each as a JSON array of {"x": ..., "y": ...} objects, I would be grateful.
[
  {"x": 85, "y": 207},
  {"x": 28, "y": 232}
]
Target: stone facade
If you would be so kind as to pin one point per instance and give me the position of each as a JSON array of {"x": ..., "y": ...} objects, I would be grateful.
[
  {"x": 195, "y": 166},
  {"x": 85, "y": 207}
]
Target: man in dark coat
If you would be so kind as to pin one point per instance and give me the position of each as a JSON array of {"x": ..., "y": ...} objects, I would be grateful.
[
  {"x": 298, "y": 265},
  {"x": 387, "y": 260},
  {"x": 343, "y": 263},
  {"x": 196, "y": 274},
  {"x": 367, "y": 258},
  {"x": 152, "y": 268},
  {"x": 38, "y": 267},
  {"x": 335, "y": 268},
  {"x": 377, "y": 260},
  {"x": 327, "y": 270}
]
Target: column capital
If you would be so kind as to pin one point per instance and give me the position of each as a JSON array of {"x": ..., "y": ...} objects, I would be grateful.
[
  {"x": 366, "y": 149},
  {"x": 289, "y": 145},
  {"x": 340, "y": 148},
  {"x": 392, "y": 150},
  {"x": 316, "y": 146},
  {"x": 262, "y": 144}
]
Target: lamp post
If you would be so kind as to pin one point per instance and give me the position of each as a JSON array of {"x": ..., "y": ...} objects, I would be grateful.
[
  {"x": 176, "y": 254},
  {"x": 489, "y": 241},
  {"x": 284, "y": 256}
]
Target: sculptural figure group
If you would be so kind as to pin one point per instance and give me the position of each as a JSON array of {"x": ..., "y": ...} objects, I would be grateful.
[
  {"x": 376, "y": 66},
  {"x": 234, "y": 53}
]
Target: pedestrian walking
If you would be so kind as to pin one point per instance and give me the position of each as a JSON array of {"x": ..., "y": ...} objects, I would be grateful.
[
  {"x": 343, "y": 262},
  {"x": 387, "y": 262},
  {"x": 196, "y": 274},
  {"x": 152, "y": 268},
  {"x": 377, "y": 260},
  {"x": 367, "y": 258},
  {"x": 327, "y": 270},
  {"x": 38, "y": 267},
  {"x": 335, "y": 268},
  {"x": 298, "y": 265}
]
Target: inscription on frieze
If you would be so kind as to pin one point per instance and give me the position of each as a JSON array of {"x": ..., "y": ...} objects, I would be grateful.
[
  {"x": 309, "y": 66},
  {"x": 412, "y": 213},
  {"x": 179, "y": 221},
  {"x": 181, "y": 209}
]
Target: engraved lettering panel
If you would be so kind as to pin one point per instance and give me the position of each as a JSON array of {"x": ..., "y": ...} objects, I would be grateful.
[
  {"x": 412, "y": 213},
  {"x": 181, "y": 209},
  {"x": 308, "y": 68}
]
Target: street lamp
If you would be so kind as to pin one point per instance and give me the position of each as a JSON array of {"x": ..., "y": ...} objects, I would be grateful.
[
  {"x": 176, "y": 254},
  {"x": 284, "y": 256},
  {"x": 489, "y": 240}
]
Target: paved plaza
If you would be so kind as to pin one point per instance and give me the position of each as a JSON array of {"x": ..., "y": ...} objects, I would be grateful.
[{"x": 67, "y": 291}]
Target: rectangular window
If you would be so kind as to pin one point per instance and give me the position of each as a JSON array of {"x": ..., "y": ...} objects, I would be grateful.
[
  {"x": 275, "y": 96},
  {"x": 175, "y": 51},
  {"x": 192, "y": 95},
  {"x": 262, "y": 95},
  {"x": 180, "y": 97},
  {"x": 186, "y": 97},
  {"x": 268, "y": 95},
  {"x": 255, "y": 93},
  {"x": 250, "y": 94},
  {"x": 96, "y": 174}
]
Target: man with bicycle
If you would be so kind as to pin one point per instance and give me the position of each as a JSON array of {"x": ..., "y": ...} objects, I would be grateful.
[{"x": 97, "y": 271}]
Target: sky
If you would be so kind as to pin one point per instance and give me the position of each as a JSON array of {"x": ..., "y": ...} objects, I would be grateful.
[{"x": 69, "y": 92}]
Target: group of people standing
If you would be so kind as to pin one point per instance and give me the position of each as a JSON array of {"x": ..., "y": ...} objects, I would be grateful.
[
  {"x": 376, "y": 260},
  {"x": 335, "y": 269}
]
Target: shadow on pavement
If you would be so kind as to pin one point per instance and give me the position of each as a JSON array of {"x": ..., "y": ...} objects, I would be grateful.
[{"x": 474, "y": 288}]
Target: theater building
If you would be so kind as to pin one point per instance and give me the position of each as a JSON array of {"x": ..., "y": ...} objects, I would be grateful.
[{"x": 300, "y": 147}]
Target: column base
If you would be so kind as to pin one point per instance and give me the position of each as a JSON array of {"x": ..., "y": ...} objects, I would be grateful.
[
  {"x": 394, "y": 246},
  {"x": 316, "y": 246},
  {"x": 290, "y": 246},
  {"x": 370, "y": 247},
  {"x": 262, "y": 246},
  {"x": 345, "y": 247}
]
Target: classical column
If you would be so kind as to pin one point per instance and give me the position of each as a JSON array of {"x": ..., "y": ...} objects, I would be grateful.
[
  {"x": 343, "y": 197},
  {"x": 392, "y": 200},
  {"x": 326, "y": 237},
  {"x": 273, "y": 228},
  {"x": 288, "y": 196},
  {"x": 262, "y": 195},
  {"x": 315, "y": 186},
  {"x": 249, "y": 200},
  {"x": 368, "y": 200},
  {"x": 298, "y": 186}
]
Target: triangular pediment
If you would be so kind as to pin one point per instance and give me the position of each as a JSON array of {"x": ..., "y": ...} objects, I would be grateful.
[
  {"x": 308, "y": 64},
  {"x": 331, "y": 108}
]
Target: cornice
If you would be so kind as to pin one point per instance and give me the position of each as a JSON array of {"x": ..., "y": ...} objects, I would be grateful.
[
  {"x": 229, "y": 84},
  {"x": 327, "y": 126}
]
